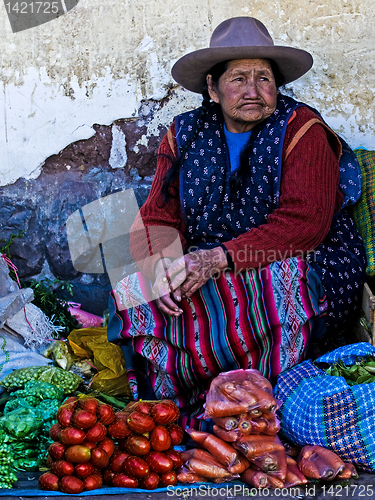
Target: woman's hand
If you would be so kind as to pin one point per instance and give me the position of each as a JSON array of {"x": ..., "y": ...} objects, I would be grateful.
[
  {"x": 165, "y": 300},
  {"x": 188, "y": 273}
]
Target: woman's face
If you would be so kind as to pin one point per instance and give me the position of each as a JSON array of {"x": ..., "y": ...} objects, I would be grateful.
[{"x": 246, "y": 92}]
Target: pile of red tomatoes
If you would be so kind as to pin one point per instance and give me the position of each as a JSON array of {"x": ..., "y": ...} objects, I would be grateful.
[{"x": 93, "y": 444}]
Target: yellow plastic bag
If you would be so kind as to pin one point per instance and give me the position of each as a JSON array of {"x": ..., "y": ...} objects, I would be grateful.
[{"x": 107, "y": 357}]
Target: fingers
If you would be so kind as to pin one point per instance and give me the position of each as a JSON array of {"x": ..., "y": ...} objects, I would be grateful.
[{"x": 167, "y": 306}]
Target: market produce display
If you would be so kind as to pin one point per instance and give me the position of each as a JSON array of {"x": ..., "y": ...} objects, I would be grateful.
[
  {"x": 54, "y": 375},
  {"x": 93, "y": 444},
  {"x": 361, "y": 372},
  {"x": 245, "y": 445}
]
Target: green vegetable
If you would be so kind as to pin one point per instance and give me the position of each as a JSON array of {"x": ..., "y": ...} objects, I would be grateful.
[
  {"x": 361, "y": 372},
  {"x": 54, "y": 375}
]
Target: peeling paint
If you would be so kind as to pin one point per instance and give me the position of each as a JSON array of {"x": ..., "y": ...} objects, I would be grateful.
[{"x": 118, "y": 156}]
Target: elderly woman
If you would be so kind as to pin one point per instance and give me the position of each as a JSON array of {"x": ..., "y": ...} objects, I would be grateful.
[{"x": 253, "y": 186}]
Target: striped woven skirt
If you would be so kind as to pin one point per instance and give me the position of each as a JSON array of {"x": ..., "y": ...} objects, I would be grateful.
[{"x": 262, "y": 318}]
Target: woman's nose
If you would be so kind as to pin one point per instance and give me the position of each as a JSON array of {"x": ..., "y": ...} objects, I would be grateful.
[{"x": 251, "y": 90}]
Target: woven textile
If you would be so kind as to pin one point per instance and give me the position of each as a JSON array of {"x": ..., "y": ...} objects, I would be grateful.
[
  {"x": 257, "y": 319},
  {"x": 364, "y": 210},
  {"x": 319, "y": 409}
]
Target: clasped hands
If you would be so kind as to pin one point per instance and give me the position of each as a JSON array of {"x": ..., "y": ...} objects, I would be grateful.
[{"x": 177, "y": 280}]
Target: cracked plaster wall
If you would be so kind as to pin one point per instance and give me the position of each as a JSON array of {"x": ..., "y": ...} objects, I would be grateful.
[{"x": 85, "y": 98}]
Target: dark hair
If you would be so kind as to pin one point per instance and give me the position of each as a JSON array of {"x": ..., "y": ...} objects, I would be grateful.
[{"x": 216, "y": 71}]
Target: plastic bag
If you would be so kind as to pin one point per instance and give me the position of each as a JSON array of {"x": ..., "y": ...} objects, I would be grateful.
[
  {"x": 324, "y": 410},
  {"x": 107, "y": 358},
  {"x": 23, "y": 423},
  {"x": 237, "y": 392},
  {"x": 84, "y": 318}
]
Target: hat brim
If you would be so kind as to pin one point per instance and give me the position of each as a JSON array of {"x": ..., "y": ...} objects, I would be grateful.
[{"x": 190, "y": 70}]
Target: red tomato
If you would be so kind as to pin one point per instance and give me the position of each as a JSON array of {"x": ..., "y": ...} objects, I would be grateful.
[
  {"x": 118, "y": 458},
  {"x": 62, "y": 468},
  {"x": 122, "y": 480},
  {"x": 89, "y": 444},
  {"x": 119, "y": 429},
  {"x": 107, "y": 445},
  {"x": 99, "y": 458},
  {"x": 165, "y": 412},
  {"x": 57, "y": 450},
  {"x": 84, "y": 470},
  {"x": 159, "y": 462},
  {"x": 150, "y": 482},
  {"x": 64, "y": 414},
  {"x": 108, "y": 475},
  {"x": 93, "y": 482},
  {"x": 83, "y": 419},
  {"x": 136, "y": 467},
  {"x": 137, "y": 445},
  {"x": 55, "y": 431},
  {"x": 160, "y": 439},
  {"x": 140, "y": 422},
  {"x": 88, "y": 403},
  {"x": 97, "y": 432},
  {"x": 168, "y": 478},
  {"x": 78, "y": 454},
  {"x": 105, "y": 414},
  {"x": 176, "y": 432},
  {"x": 144, "y": 406},
  {"x": 71, "y": 435},
  {"x": 71, "y": 485},
  {"x": 175, "y": 457},
  {"x": 48, "y": 481}
]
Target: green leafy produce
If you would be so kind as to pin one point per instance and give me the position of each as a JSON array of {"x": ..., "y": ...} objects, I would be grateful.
[
  {"x": 362, "y": 372},
  {"x": 55, "y": 309},
  {"x": 54, "y": 375}
]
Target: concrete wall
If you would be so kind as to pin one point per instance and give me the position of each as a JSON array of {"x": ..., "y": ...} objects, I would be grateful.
[{"x": 85, "y": 97}]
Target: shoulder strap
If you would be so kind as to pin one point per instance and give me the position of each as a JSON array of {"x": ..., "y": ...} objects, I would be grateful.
[{"x": 302, "y": 131}]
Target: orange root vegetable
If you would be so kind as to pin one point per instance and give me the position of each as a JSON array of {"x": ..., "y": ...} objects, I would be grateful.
[
  {"x": 260, "y": 381},
  {"x": 255, "y": 478},
  {"x": 228, "y": 436},
  {"x": 257, "y": 444},
  {"x": 265, "y": 401},
  {"x": 240, "y": 465},
  {"x": 245, "y": 425},
  {"x": 348, "y": 472},
  {"x": 272, "y": 423},
  {"x": 258, "y": 426},
  {"x": 201, "y": 454},
  {"x": 316, "y": 462},
  {"x": 227, "y": 423},
  {"x": 239, "y": 395},
  {"x": 259, "y": 479},
  {"x": 223, "y": 452},
  {"x": 186, "y": 476},
  {"x": 224, "y": 409},
  {"x": 197, "y": 436},
  {"x": 292, "y": 450},
  {"x": 294, "y": 476},
  {"x": 209, "y": 471},
  {"x": 272, "y": 463}
]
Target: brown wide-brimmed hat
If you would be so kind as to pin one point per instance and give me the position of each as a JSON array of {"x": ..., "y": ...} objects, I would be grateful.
[{"x": 239, "y": 38}]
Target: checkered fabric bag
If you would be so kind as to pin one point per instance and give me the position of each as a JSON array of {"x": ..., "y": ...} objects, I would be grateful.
[
  {"x": 319, "y": 409},
  {"x": 364, "y": 210}
]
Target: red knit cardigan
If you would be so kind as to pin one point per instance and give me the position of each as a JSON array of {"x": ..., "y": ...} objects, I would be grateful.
[{"x": 309, "y": 197}]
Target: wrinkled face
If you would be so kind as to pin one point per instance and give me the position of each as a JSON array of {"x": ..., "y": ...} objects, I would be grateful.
[{"x": 246, "y": 92}]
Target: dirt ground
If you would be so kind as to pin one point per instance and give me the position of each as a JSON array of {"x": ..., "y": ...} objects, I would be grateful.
[{"x": 355, "y": 489}]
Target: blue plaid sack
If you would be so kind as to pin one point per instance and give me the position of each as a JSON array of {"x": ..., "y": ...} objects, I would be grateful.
[{"x": 320, "y": 409}]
